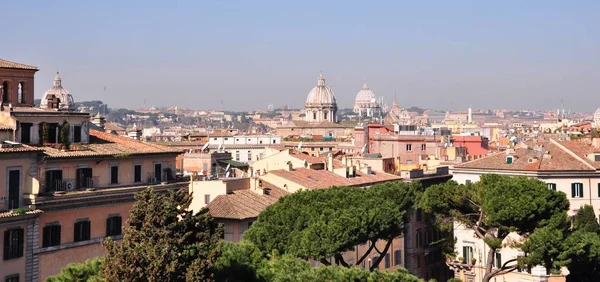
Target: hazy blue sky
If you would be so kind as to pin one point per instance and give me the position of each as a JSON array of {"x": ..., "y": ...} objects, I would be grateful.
[{"x": 435, "y": 54}]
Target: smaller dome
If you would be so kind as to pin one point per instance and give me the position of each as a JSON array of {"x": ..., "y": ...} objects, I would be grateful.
[
  {"x": 57, "y": 97},
  {"x": 365, "y": 95}
]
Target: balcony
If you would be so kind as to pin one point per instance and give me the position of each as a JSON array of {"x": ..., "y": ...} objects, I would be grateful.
[{"x": 64, "y": 185}]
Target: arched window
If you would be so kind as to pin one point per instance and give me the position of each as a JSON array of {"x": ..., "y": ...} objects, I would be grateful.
[
  {"x": 314, "y": 115},
  {"x": 325, "y": 115},
  {"x": 20, "y": 98},
  {"x": 5, "y": 92}
]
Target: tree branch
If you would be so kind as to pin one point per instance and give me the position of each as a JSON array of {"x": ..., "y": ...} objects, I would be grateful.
[
  {"x": 364, "y": 256},
  {"x": 324, "y": 261},
  {"x": 505, "y": 268},
  {"x": 340, "y": 260},
  {"x": 376, "y": 263}
]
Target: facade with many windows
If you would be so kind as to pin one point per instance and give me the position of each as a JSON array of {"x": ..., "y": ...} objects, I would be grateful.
[
  {"x": 571, "y": 167},
  {"x": 65, "y": 183}
]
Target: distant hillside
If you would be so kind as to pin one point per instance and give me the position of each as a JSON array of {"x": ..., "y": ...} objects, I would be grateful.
[{"x": 416, "y": 109}]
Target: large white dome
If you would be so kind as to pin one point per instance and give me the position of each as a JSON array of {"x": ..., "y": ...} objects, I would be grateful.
[
  {"x": 365, "y": 95},
  {"x": 57, "y": 97},
  {"x": 321, "y": 95}
]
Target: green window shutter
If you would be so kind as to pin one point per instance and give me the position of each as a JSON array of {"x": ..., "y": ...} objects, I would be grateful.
[
  {"x": 580, "y": 190},
  {"x": 573, "y": 190},
  {"x": 598, "y": 190}
]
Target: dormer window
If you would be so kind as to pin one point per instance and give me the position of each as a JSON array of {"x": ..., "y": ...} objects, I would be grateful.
[{"x": 509, "y": 159}]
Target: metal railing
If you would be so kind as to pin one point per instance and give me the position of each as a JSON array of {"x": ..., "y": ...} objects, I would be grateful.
[{"x": 65, "y": 185}]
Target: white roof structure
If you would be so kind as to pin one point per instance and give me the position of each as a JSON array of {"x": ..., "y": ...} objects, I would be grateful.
[{"x": 57, "y": 97}]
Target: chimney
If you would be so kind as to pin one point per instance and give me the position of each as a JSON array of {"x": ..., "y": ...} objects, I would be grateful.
[
  {"x": 267, "y": 191},
  {"x": 330, "y": 162},
  {"x": 289, "y": 166}
]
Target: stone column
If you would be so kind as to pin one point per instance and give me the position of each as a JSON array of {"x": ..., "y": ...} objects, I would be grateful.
[{"x": 32, "y": 256}]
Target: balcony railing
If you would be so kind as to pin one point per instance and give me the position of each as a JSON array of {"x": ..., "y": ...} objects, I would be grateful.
[{"x": 65, "y": 185}]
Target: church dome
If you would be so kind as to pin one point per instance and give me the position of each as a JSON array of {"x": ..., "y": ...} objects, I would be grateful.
[
  {"x": 365, "y": 95},
  {"x": 321, "y": 95},
  {"x": 57, "y": 97}
]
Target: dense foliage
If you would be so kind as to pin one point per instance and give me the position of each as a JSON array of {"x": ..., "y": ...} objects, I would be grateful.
[
  {"x": 245, "y": 262},
  {"x": 321, "y": 224},
  {"x": 80, "y": 272},
  {"x": 581, "y": 250},
  {"x": 496, "y": 206},
  {"x": 164, "y": 242}
]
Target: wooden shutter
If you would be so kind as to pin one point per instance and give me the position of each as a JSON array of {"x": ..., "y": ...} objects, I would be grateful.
[
  {"x": 21, "y": 240},
  {"x": 108, "y": 226},
  {"x": 573, "y": 190},
  {"x": 6, "y": 243}
]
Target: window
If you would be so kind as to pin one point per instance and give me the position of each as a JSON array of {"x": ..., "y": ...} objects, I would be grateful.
[
  {"x": 423, "y": 147},
  {"x": 498, "y": 260},
  {"x": 137, "y": 173},
  {"x": 51, "y": 236},
  {"x": 26, "y": 133},
  {"x": 76, "y": 134},
  {"x": 419, "y": 214},
  {"x": 325, "y": 115},
  {"x": 82, "y": 230},
  {"x": 509, "y": 160},
  {"x": 312, "y": 149},
  {"x": 13, "y": 243},
  {"x": 314, "y": 115},
  {"x": 320, "y": 148},
  {"x": 4, "y": 88},
  {"x": 552, "y": 186},
  {"x": 597, "y": 158},
  {"x": 114, "y": 174},
  {"x": 113, "y": 225},
  {"x": 206, "y": 199},
  {"x": 418, "y": 262},
  {"x": 274, "y": 141},
  {"x": 409, "y": 147},
  {"x": 386, "y": 261},
  {"x": 467, "y": 253},
  {"x": 397, "y": 257},
  {"x": 228, "y": 232},
  {"x": 375, "y": 258},
  {"x": 12, "y": 278},
  {"x": 237, "y": 156},
  {"x": 577, "y": 190},
  {"x": 409, "y": 162},
  {"x": 20, "y": 97},
  {"x": 419, "y": 243},
  {"x": 598, "y": 190},
  {"x": 468, "y": 181},
  {"x": 249, "y": 155}
]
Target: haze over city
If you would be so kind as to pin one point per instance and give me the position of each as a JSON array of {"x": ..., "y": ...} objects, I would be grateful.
[{"x": 443, "y": 55}]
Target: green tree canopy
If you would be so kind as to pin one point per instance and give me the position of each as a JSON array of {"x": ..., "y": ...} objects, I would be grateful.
[
  {"x": 164, "y": 242},
  {"x": 320, "y": 224},
  {"x": 80, "y": 272},
  {"x": 245, "y": 262},
  {"x": 586, "y": 220},
  {"x": 494, "y": 207}
]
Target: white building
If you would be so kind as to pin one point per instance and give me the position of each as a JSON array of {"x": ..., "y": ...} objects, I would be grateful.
[
  {"x": 572, "y": 167},
  {"x": 366, "y": 103}
]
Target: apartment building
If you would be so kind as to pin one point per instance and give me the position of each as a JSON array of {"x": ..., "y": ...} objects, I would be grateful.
[
  {"x": 572, "y": 167},
  {"x": 69, "y": 184}
]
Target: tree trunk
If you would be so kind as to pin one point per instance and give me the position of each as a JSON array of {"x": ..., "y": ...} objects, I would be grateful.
[
  {"x": 381, "y": 254},
  {"x": 339, "y": 259},
  {"x": 488, "y": 265}
]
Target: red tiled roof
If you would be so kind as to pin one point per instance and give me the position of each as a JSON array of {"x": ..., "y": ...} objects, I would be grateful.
[
  {"x": 242, "y": 204},
  {"x": 320, "y": 179},
  {"x": 4, "y": 64},
  {"x": 582, "y": 149},
  {"x": 20, "y": 149},
  {"x": 530, "y": 159},
  {"x": 106, "y": 144}
]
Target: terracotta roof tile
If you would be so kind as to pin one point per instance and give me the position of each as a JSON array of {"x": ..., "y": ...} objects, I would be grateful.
[
  {"x": 321, "y": 179},
  {"x": 14, "y": 214},
  {"x": 106, "y": 144},
  {"x": 582, "y": 149},
  {"x": 20, "y": 149},
  {"x": 530, "y": 159},
  {"x": 4, "y": 64},
  {"x": 242, "y": 204},
  {"x": 316, "y": 159}
]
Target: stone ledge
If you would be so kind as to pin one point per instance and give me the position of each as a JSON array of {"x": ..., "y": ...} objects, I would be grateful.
[{"x": 76, "y": 244}]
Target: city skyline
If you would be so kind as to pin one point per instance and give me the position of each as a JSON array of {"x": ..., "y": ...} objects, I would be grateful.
[{"x": 195, "y": 55}]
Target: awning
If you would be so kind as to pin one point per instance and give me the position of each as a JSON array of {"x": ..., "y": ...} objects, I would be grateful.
[{"x": 233, "y": 163}]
